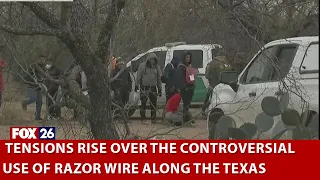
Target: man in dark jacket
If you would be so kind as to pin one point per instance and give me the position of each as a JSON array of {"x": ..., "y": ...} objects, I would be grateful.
[
  {"x": 186, "y": 90},
  {"x": 32, "y": 79},
  {"x": 54, "y": 72},
  {"x": 149, "y": 80},
  {"x": 168, "y": 77},
  {"x": 122, "y": 84}
]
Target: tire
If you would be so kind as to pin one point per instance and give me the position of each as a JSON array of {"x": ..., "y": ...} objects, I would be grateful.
[{"x": 213, "y": 118}]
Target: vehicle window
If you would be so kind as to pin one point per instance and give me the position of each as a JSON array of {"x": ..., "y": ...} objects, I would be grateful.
[
  {"x": 311, "y": 59},
  {"x": 162, "y": 58},
  {"x": 261, "y": 68},
  {"x": 197, "y": 57},
  {"x": 283, "y": 62}
]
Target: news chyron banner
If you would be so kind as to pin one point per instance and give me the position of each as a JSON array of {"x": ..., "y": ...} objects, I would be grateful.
[{"x": 34, "y": 152}]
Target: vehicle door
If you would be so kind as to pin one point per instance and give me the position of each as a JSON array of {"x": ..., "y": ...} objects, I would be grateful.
[
  {"x": 262, "y": 78},
  {"x": 308, "y": 66},
  {"x": 301, "y": 89}
]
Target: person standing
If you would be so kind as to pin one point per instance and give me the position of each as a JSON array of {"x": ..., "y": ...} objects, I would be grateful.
[
  {"x": 122, "y": 84},
  {"x": 78, "y": 76},
  {"x": 54, "y": 72},
  {"x": 2, "y": 65},
  {"x": 212, "y": 73},
  {"x": 33, "y": 80},
  {"x": 149, "y": 80},
  {"x": 185, "y": 77},
  {"x": 168, "y": 77}
]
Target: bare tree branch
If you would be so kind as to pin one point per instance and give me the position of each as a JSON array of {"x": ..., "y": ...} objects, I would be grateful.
[
  {"x": 106, "y": 31},
  {"x": 30, "y": 31},
  {"x": 47, "y": 17},
  {"x": 65, "y": 13},
  {"x": 231, "y": 5}
]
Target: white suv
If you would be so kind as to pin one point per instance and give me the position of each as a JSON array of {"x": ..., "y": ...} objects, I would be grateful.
[{"x": 283, "y": 67}]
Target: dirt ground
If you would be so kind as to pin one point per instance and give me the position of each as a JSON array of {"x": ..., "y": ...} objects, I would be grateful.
[{"x": 13, "y": 115}]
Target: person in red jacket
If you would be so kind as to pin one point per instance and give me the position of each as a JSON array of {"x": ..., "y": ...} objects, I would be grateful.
[
  {"x": 2, "y": 65},
  {"x": 173, "y": 110}
]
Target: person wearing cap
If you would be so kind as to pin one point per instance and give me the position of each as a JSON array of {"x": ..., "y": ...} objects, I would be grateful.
[
  {"x": 212, "y": 73},
  {"x": 122, "y": 84}
]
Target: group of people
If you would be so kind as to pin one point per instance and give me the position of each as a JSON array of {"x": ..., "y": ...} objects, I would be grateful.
[
  {"x": 149, "y": 81},
  {"x": 177, "y": 89},
  {"x": 180, "y": 84},
  {"x": 179, "y": 78},
  {"x": 35, "y": 81}
]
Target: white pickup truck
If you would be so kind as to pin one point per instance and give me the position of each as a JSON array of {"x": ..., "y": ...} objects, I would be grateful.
[{"x": 287, "y": 69}]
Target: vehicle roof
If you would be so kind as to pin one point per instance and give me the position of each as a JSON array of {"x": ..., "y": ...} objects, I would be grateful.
[
  {"x": 165, "y": 48},
  {"x": 300, "y": 40},
  {"x": 188, "y": 45},
  {"x": 197, "y": 45}
]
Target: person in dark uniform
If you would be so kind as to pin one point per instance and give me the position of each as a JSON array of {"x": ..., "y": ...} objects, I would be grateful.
[
  {"x": 76, "y": 74},
  {"x": 54, "y": 72},
  {"x": 212, "y": 73},
  {"x": 122, "y": 84},
  {"x": 168, "y": 77}
]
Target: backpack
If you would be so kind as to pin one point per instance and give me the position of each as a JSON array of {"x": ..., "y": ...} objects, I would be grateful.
[
  {"x": 164, "y": 79},
  {"x": 191, "y": 74}
]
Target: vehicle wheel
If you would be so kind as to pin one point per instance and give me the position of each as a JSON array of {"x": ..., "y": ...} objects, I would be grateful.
[{"x": 213, "y": 118}]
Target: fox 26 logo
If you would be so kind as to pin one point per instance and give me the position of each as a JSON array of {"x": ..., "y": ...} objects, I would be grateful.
[{"x": 33, "y": 133}]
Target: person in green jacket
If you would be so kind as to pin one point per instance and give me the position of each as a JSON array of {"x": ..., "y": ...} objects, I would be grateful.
[{"x": 212, "y": 73}]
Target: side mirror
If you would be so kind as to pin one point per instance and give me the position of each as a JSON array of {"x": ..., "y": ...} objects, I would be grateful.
[{"x": 230, "y": 78}]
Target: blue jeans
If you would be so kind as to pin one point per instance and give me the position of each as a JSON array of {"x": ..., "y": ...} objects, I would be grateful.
[{"x": 33, "y": 95}]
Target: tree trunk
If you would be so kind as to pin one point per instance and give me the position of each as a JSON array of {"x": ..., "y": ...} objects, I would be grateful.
[
  {"x": 72, "y": 30},
  {"x": 100, "y": 118},
  {"x": 100, "y": 115}
]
